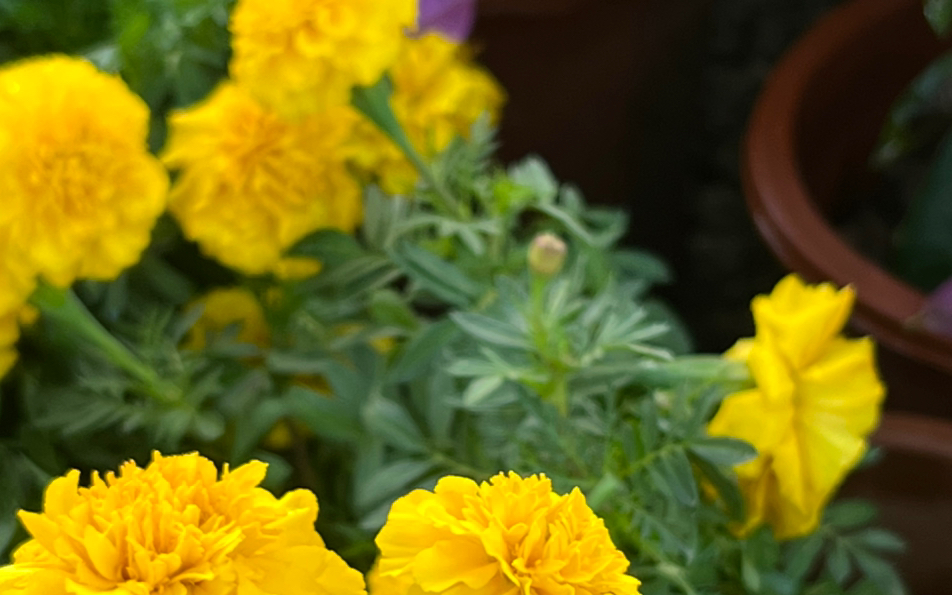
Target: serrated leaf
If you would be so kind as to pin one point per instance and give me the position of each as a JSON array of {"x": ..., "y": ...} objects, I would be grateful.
[
  {"x": 391, "y": 423},
  {"x": 723, "y": 450}
]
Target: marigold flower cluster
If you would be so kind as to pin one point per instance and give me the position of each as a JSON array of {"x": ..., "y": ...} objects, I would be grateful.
[
  {"x": 505, "y": 536},
  {"x": 267, "y": 158},
  {"x": 300, "y": 57},
  {"x": 815, "y": 402},
  {"x": 81, "y": 191},
  {"x": 175, "y": 528}
]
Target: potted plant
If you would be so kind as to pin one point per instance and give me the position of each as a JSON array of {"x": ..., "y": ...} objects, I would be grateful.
[
  {"x": 805, "y": 160},
  {"x": 315, "y": 337}
]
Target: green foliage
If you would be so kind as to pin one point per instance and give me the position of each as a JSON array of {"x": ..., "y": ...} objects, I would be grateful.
[{"x": 939, "y": 15}]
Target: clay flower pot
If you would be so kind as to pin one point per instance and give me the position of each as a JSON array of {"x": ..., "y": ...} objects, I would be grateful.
[
  {"x": 805, "y": 158},
  {"x": 912, "y": 487}
]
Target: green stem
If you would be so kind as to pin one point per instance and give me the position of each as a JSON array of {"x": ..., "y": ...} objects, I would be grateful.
[
  {"x": 68, "y": 312},
  {"x": 374, "y": 103}
]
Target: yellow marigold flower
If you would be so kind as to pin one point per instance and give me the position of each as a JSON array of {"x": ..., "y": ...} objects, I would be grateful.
[
  {"x": 80, "y": 191},
  {"x": 438, "y": 93},
  {"x": 304, "y": 56},
  {"x": 251, "y": 184},
  {"x": 816, "y": 400},
  {"x": 506, "y": 536},
  {"x": 175, "y": 528}
]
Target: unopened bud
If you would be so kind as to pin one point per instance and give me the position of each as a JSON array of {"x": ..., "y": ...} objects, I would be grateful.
[{"x": 547, "y": 254}]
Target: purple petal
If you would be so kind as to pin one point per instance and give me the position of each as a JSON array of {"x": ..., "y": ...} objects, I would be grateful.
[
  {"x": 453, "y": 18},
  {"x": 936, "y": 313}
]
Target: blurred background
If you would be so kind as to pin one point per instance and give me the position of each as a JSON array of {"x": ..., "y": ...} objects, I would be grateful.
[{"x": 643, "y": 104}]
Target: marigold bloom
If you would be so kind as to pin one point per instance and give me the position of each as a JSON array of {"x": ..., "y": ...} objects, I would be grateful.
[
  {"x": 303, "y": 56},
  {"x": 80, "y": 191},
  {"x": 175, "y": 528},
  {"x": 251, "y": 184},
  {"x": 816, "y": 400},
  {"x": 438, "y": 93},
  {"x": 507, "y": 536}
]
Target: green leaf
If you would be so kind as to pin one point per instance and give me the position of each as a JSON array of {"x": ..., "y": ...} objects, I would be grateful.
[
  {"x": 389, "y": 482},
  {"x": 439, "y": 411},
  {"x": 607, "y": 487},
  {"x": 330, "y": 246},
  {"x": 803, "y": 555},
  {"x": 491, "y": 330},
  {"x": 939, "y": 15},
  {"x": 676, "y": 468},
  {"x": 749, "y": 573},
  {"x": 919, "y": 118},
  {"x": 880, "y": 573},
  {"x": 388, "y": 308},
  {"x": 571, "y": 224},
  {"x": 838, "y": 563},
  {"x": 533, "y": 173},
  {"x": 723, "y": 451},
  {"x": 327, "y": 417},
  {"x": 391, "y": 423},
  {"x": 279, "y": 471},
  {"x": 881, "y": 540},
  {"x": 480, "y": 390},
  {"x": 923, "y": 241},
  {"x": 849, "y": 514},
  {"x": 441, "y": 278},
  {"x": 421, "y": 352},
  {"x": 255, "y": 425}
]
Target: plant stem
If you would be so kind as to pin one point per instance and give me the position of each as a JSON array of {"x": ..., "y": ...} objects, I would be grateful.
[
  {"x": 374, "y": 103},
  {"x": 65, "y": 309}
]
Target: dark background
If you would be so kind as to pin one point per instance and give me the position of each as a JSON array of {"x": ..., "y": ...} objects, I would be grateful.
[{"x": 643, "y": 104}]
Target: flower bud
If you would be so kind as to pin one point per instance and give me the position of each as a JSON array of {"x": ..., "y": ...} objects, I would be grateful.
[{"x": 547, "y": 254}]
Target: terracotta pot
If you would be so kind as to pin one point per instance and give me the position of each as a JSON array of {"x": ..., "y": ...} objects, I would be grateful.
[
  {"x": 805, "y": 159},
  {"x": 912, "y": 487},
  {"x": 605, "y": 91}
]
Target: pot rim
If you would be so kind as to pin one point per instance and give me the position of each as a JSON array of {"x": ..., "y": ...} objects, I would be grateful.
[
  {"x": 781, "y": 204},
  {"x": 914, "y": 433}
]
